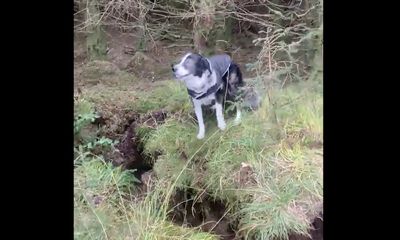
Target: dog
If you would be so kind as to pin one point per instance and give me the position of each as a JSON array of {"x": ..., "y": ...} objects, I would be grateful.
[{"x": 210, "y": 82}]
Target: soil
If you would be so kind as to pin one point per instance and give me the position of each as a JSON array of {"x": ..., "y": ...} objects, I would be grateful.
[
  {"x": 128, "y": 153},
  {"x": 154, "y": 62},
  {"x": 202, "y": 211},
  {"x": 316, "y": 233}
]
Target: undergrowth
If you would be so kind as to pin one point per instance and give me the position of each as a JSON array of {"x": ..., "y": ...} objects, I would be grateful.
[
  {"x": 107, "y": 200},
  {"x": 267, "y": 169},
  {"x": 106, "y": 207},
  {"x": 273, "y": 185}
]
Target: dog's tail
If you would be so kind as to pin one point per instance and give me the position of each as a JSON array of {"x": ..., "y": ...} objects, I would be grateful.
[
  {"x": 238, "y": 89},
  {"x": 251, "y": 98}
]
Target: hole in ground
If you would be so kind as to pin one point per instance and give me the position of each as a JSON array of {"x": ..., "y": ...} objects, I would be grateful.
[
  {"x": 202, "y": 211},
  {"x": 129, "y": 152},
  {"x": 210, "y": 215},
  {"x": 316, "y": 233}
]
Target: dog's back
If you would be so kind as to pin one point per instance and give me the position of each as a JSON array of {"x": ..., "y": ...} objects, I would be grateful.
[
  {"x": 220, "y": 64},
  {"x": 229, "y": 73}
]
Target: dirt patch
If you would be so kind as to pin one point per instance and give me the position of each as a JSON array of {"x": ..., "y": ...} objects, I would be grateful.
[
  {"x": 318, "y": 229},
  {"x": 147, "y": 179},
  {"x": 128, "y": 152},
  {"x": 245, "y": 176},
  {"x": 152, "y": 63},
  {"x": 98, "y": 69},
  {"x": 158, "y": 56},
  {"x": 153, "y": 119},
  {"x": 316, "y": 144},
  {"x": 316, "y": 233},
  {"x": 142, "y": 66},
  {"x": 79, "y": 48},
  {"x": 202, "y": 211},
  {"x": 96, "y": 72}
]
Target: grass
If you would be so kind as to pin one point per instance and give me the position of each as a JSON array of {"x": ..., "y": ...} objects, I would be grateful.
[
  {"x": 169, "y": 96},
  {"x": 283, "y": 184},
  {"x": 99, "y": 189},
  {"x": 106, "y": 206},
  {"x": 150, "y": 217},
  {"x": 271, "y": 185},
  {"x": 118, "y": 103},
  {"x": 140, "y": 98}
]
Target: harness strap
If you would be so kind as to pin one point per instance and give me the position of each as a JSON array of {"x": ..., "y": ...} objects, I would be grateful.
[{"x": 210, "y": 91}]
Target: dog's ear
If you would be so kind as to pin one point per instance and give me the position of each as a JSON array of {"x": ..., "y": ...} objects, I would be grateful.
[{"x": 205, "y": 64}]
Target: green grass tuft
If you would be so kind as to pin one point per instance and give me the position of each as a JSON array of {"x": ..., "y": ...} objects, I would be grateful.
[
  {"x": 106, "y": 207},
  {"x": 170, "y": 96}
]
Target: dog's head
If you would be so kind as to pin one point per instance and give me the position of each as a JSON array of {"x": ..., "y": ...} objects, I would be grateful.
[{"x": 190, "y": 65}]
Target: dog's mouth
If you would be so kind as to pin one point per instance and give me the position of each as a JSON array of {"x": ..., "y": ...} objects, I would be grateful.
[{"x": 181, "y": 76}]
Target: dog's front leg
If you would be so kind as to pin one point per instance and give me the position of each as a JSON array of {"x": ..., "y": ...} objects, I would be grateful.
[
  {"x": 199, "y": 115},
  {"x": 220, "y": 116}
]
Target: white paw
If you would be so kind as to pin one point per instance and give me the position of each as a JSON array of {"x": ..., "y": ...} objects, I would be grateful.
[
  {"x": 222, "y": 126},
  {"x": 200, "y": 136}
]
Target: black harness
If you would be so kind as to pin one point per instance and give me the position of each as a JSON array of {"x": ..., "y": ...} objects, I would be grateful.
[{"x": 210, "y": 91}]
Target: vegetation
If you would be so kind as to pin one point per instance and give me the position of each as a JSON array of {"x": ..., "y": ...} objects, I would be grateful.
[{"x": 266, "y": 171}]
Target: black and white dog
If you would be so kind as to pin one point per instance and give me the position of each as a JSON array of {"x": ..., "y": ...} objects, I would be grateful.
[{"x": 210, "y": 82}]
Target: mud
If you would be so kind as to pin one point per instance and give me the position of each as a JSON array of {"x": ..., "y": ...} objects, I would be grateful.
[{"x": 128, "y": 152}]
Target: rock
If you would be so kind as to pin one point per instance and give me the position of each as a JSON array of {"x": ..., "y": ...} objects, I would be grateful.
[
  {"x": 142, "y": 65},
  {"x": 97, "y": 71},
  {"x": 147, "y": 180},
  {"x": 98, "y": 68}
]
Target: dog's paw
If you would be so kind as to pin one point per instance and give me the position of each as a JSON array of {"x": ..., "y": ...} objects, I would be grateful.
[
  {"x": 222, "y": 126},
  {"x": 200, "y": 136}
]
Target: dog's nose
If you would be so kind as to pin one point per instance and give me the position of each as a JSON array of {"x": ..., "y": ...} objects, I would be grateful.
[{"x": 172, "y": 67}]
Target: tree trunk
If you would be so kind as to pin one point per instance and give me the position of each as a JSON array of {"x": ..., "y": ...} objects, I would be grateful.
[
  {"x": 224, "y": 36},
  {"x": 95, "y": 40},
  {"x": 204, "y": 23}
]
